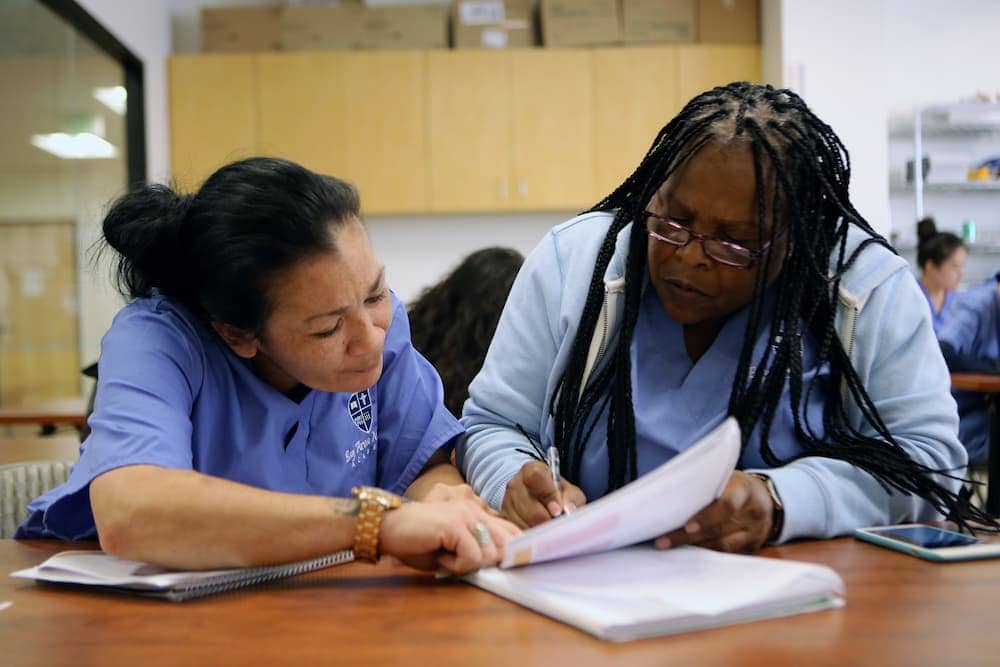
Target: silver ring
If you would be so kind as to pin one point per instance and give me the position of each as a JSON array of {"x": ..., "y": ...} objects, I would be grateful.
[{"x": 482, "y": 535}]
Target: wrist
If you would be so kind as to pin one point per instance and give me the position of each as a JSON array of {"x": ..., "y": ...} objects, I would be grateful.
[
  {"x": 373, "y": 505},
  {"x": 777, "y": 507}
]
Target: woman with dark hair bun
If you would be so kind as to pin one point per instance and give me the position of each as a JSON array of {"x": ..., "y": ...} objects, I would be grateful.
[
  {"x": 259, "y": 400},
  {"x": 453, "y": 321},
  {"x": 941, "y": 257}
]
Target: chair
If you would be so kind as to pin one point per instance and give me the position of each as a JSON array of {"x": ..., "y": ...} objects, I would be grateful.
[{"x": 20, "y": 483}]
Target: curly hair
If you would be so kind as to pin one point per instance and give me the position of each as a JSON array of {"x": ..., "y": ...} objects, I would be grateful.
[{"x": 453, "y": 321}]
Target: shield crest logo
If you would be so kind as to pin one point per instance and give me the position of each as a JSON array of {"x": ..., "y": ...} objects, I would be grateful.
[{"x": 360, "y": 407}]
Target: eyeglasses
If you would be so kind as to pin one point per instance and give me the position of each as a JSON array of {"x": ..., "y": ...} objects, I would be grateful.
[{"x": 723, "y": 252}]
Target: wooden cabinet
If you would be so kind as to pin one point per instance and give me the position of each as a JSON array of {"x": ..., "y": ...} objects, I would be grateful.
[
  {"x": 469, "y": 130},
  {"x": 213, "y": 114},
  {"x": 704, "y": 66},
  {"x": 39, "y": 341},
  {"x": 636, "y": 94},
  {"x": 638, "y": 91},
  {"x": 552, "y": 136},
  {"x": 445, "y": 131},
  {"x": 510, "y": 130},
  {"x": 359, "y": 116}
]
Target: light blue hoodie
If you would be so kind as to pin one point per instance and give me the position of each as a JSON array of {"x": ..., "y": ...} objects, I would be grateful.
[{"x": 883, "y": 323}]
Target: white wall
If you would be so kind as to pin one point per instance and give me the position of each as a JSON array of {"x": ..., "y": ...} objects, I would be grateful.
[
  {"x": 834, "y": 56},
  {"x": 419, "y": 250},
  {"x": 941, "y": 51}
]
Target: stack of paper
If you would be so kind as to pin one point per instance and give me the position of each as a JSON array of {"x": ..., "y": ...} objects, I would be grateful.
[{"x": 620, "y": 594}]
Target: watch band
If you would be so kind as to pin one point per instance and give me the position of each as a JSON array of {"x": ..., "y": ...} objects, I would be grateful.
[
  {"x": 374, "y": 503},
  {"x": 778, "y": 513}
]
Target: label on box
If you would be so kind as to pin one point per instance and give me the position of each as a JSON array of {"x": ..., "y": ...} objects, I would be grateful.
[
  {"x": 482, "y": 12},
  {"x": 494, "y": 38}
]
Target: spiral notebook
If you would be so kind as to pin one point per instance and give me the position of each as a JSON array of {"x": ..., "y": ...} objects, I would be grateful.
[{"x": 95, "y": 568}]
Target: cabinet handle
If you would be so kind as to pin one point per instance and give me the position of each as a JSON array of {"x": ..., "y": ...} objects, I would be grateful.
[
  {"x": 522, "y": 188},
  {"x": 502, "y": 188}
]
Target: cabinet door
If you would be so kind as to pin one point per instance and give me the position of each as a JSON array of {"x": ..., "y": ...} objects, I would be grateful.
[
  {"x": 703, "y": 67},
  {"x": 300, "y": 97},
  {"x": 553, "y": 129},
  {"x": 469, "y": 130},
  {"x": 385, "y": 120},
  {"x": 213, "y": 114},
  {"x": 635, "y": 94},
  {"x": 39, "y": 350}
]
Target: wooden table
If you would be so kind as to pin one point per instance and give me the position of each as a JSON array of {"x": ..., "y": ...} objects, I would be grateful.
[
  {"x": 55, "y": 411},
  {"x": 35, "y": 448},
  {"x": 989, "y": 384},
  {"x": 900, "y": 611}
]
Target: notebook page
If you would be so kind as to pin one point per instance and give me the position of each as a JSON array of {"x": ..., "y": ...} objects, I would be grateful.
[
  {"x": 95, "y": 568},
  {"x": 652, "y": 505},
  {"x": 641, "y": 591},
  {"x": 98, "y": 568}
]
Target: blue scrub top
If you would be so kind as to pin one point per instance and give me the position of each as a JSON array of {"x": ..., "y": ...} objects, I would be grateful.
[
  {"x": 172, "y": 394},
  {"x": 677, "y": 401},
  {"x": 938, "y": 318}
]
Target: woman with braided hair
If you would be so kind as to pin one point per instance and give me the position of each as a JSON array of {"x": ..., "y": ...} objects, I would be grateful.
[{"x": 728, "y": 275}]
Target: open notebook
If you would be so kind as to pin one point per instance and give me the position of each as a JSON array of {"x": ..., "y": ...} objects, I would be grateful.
[
  {"x": 95, "y": 568},
  {"x": 578, "y": 571}
]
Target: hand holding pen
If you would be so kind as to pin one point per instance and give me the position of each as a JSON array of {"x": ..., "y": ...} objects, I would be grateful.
[{"x": 537, "y": 493}]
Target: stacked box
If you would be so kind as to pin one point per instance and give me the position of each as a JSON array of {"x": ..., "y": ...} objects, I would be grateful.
[
  {"x": 658, "y": 21},
  {"x": 241, "y": 28},
  {"x": 492, "y": 24},
  {"x": 579, "y": 22},
  {"x": 729, "y": 21}
]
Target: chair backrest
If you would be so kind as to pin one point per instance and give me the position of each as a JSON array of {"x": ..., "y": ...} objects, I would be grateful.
[{"x": 20, "y": 483}]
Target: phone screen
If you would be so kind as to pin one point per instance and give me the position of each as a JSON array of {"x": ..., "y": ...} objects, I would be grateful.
[{"x": 927, "y": 537}]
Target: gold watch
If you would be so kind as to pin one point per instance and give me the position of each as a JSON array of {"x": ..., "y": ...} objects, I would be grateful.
[{"x": 374, "y": 503}]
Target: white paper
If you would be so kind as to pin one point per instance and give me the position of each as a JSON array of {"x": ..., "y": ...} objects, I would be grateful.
[
  {"x": 658, "y": 502},
  {"x": 481, "y": 12},
  {"x": 494, "y": 38},
  {"x": 97, "y": 568},
  {"x": 641, "y": 591}
]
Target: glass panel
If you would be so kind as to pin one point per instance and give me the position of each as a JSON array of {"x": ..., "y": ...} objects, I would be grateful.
[{"x": 62, "y": 158}]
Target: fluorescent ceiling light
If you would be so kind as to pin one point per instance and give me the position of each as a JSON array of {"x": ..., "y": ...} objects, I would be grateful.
[
  {"x": 79, "y": 146},
  {"x": 113, "y": 98}
]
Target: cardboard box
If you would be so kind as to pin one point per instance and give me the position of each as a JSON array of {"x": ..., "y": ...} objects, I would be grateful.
[
  {"x": 241, "y": 28},
  {"x": 657, "y": 21},
  {"x": 360, "y": 27},
  {"x": 579, "y": 22},
  {"x": 729, "y": 21},
  {"x": 492, "y": 24}
]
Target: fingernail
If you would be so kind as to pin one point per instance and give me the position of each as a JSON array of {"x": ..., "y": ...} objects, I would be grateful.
[
  {"x": 663, "y": 543},
  {"x": 570, "y": 508},
  {"x": 554, "y": 508},
  {"x": 691, "y": 527}
]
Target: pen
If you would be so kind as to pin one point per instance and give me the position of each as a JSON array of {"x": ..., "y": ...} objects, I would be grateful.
[{"x": 551, "y": 458}]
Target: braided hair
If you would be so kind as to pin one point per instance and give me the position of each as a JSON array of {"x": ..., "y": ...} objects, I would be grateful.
[{"x": 808, "y": 172}]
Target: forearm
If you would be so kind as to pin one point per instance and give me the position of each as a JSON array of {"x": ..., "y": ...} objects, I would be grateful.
[
  {"x": 439, "y": 470},
  {"x": 184, "y": 519}
]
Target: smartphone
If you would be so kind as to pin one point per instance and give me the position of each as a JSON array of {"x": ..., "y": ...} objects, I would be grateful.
[{"x": 928, "y": 542}]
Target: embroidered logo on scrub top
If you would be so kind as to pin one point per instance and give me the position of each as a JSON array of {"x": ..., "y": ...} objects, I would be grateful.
[{"x": 360, "y": 407}]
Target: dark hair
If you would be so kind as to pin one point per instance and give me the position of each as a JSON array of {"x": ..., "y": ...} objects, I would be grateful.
[
  {"x": 934, "y": 246},
  {"x": 218, "y": 250},
  {"x": 808, "y": 173},
  {"x": 453, "y": 321}
]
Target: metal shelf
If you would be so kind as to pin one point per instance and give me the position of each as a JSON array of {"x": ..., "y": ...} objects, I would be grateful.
[{"x": 971, "y": 186}]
